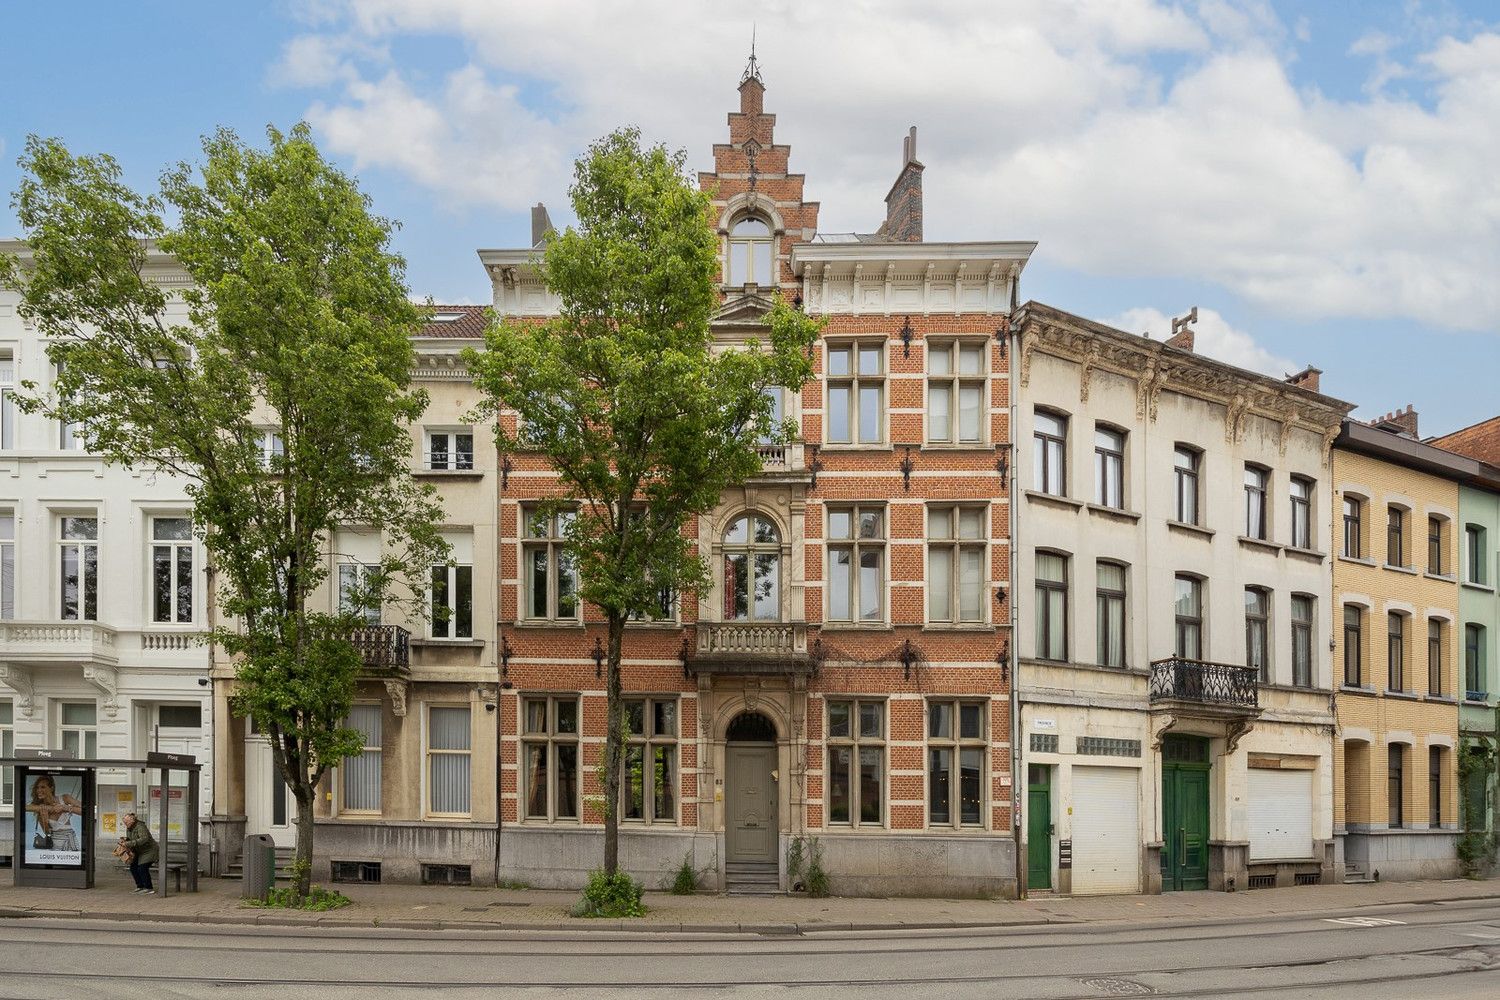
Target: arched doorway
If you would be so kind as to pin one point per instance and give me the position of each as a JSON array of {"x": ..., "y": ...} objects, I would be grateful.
[{"x": 750, "y": 790}]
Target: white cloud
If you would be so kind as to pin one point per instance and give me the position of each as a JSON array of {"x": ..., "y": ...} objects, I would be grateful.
[
  {"x": 1048, "y": 119},
  {"x": 1213, "y": 337}
]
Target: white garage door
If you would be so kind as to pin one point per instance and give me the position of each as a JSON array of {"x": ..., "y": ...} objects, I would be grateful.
[
  {"x": 1106, "y": 830},
  {"x": 1281, "y": 806}
]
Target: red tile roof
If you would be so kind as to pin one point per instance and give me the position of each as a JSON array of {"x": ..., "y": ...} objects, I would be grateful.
[{"x": 457, "y": 322}]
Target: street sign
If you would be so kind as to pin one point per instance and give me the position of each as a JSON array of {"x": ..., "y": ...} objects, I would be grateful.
[
  {"x": 170, "y": 759},
  {"x": 45, "y": 755}
]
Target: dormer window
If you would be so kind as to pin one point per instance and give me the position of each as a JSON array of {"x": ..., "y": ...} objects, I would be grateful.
[{"x": 750, "y": 259}]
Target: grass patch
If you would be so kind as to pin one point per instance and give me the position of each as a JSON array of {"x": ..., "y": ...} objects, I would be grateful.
[{"x": 318, "y": 899}]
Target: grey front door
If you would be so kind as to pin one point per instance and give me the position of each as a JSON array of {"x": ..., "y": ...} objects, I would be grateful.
[{"x": 751, "y": 814}]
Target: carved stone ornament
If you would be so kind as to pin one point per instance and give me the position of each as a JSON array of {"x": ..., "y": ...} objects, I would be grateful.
[
  {"x": 107, "y": 680},
  {"x": 396, "y": 689},
  {"x": 1328, "y": 438},
  {"x": 1028, "y": 348},
  {"x": 1237, "y": 731},
  {"x": 18, "y": 679},
  {"x": 1168, "y": 722},
  {"x": 1286, "y": 430},
  {"x": 1234, "y": 416},
  {"x": 1090, "y": 362}
]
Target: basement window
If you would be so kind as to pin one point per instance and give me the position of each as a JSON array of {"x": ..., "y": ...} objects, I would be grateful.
[
  {"x": 447, "y": 875},
  {"x": 356, "y": 871}
]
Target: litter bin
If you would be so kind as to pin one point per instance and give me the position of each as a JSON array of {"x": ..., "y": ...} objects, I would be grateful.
[{"x": 259, "y": 865}]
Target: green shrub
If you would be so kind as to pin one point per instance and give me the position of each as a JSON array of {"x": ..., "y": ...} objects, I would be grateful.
[
  {"x": 685, "y": 882},
  {"x": 317, "y": 898},
  {"x": 796, "y": 863},
  {"x": 616, "y": 895},
  {"x": 816, "y": 881}
]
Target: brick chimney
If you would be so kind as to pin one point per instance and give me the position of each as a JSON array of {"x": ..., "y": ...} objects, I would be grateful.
[
  {"x": 1182, "y": 331},
  {"x": 541, "y": 224},
  {"x": 903, "y": 205},
  {"x": 1403, "y": 422},
  {"x": 1307, "y": 378}
]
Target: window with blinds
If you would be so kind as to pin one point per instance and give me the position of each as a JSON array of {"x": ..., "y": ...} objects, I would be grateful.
[
  {"x": 362, "y": 774},
  {"x": 449, "y": 751}
]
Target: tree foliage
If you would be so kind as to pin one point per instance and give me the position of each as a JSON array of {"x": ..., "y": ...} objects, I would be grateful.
[
  {"x": 295, "y": 323},
  {"x": 644, "y": 421}
]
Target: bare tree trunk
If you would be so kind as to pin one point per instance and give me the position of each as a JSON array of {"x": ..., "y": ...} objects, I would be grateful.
[{"x": 614, "y": 746}]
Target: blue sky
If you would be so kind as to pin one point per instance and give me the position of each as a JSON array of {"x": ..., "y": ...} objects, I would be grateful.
[{"x": 1318, "y": 177}]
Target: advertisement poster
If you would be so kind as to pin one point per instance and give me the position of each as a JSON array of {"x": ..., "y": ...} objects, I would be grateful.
[
  {"x": 176, "y": 812},
  {"x": 54, "y": 818}
]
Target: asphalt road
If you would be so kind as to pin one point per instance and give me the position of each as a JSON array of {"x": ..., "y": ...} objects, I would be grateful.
[{"x": 1434, "y": 951}]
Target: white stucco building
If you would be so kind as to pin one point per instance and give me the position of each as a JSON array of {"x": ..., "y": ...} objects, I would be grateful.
[
  {"x": 1173, "y": 581},
  {"x": 102, "y": 595}
]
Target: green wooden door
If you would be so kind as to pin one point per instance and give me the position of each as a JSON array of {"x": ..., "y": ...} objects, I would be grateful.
[
  {"x": 1039, "y": 827},
  {"x": 1184, "y": 807}
]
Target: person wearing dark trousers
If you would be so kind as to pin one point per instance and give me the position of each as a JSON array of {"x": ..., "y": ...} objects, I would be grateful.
[{"x": 142, "y": 847}]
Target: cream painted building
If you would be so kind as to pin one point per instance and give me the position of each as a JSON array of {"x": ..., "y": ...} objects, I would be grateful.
[
  {"x": 1173, "y": 581},
  {"x": 102, "y": 594}
]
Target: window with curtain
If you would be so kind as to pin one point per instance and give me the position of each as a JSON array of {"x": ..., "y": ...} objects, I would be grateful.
[
  {"x": 78, "y": 549},
  {"x": 171, "y": 569},
  {"x": 1302, "y": 497},
  {"x": 549, "y": 757},
  {"x": 1110, "y": 626},
  {"x": 649, "y": 787},
  {"x": 956, "y": 748},
  {"x": 856, "y": 392},
  {"x": 1435, "y": 635},
  {"x": 1050, "y": 453},
  {"x": 1353, "y": 546},
  {"x": 551, "y": 570},
  {"x": 957, "y": 547},
  {"x": 1188, "y": 610},
  {"x": 1257, "y": 480},
  {"x": 752, "y": 570},
  {"x": 362, "y": 773},
  {"x": 1185, "y": 482},
  {"x": 1396, "y": 651},
  {"x": 856, "y": 564},
  {"x": 957, "y": 412},
  {"x": 1258, "y": 631},
  {"x": 856, "y": 762},
  {"x": 750, "y": 257},
  {"x": 1354, "y": 642},
  {"x": 1051, "y": 606},
  {"x": 449, "y": 754},
  {"x": 1109, "y": 467},
  {"x": 1395, "y": 537},
  {"x": 1302, "y": 639}
]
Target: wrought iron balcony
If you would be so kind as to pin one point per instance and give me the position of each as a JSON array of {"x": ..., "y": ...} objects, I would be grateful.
[
  {"x": 386, "y": 649},
  {"x": 1224, "y": 685},
  {"x": 750, "y": 647}
]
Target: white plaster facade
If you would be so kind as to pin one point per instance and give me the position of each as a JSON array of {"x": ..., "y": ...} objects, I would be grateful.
[
  {"x": 1158, "y": 397},
  {"x": 143, "y": 682}
]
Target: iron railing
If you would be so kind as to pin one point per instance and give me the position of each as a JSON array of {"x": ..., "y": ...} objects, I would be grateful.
[
  {"x": 1178, "y": 679},
  {"x": 384, "y": 648}
]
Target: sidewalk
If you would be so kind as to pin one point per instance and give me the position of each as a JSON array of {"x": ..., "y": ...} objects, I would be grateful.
[{"x": 439, "y": 908}]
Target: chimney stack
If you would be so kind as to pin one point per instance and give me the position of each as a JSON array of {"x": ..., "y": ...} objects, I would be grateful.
[
  {"x": 1403, "y": 422},
  {"x": 1307, "y": 378},
  {"x": 1182, "y": 331},
  {"x": 903, "y": 204},
  {"x": 541, "y": 224}
]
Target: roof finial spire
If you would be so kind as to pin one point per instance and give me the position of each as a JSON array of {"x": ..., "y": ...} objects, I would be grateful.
[{"x": 752, "y": 68}]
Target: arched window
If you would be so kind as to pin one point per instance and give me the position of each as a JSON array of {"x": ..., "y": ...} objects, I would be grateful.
[
  {"x": 750, "y": 252},
  {"x": 752, "y": 570}
]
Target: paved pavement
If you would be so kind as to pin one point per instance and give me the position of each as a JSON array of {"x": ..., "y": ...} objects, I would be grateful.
[
  {"x": 1438, "y": 951},
  {"x": 435, "y": 908}
]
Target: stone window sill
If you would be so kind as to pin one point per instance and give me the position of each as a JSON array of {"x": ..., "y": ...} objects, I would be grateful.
[
  {"x": 1403, "y": 695},
  {"x": 1409, "y": 570},
  {"x": 541, "y": 623},
  {"x": 1259, "y": 543},
  {"x": 441, "y": 643},
  {"x": 1191, "y": 529},
  {"x": 1311, "y": 555},
  {"x": 1486, "y": 588},
  {"x": 1356, "y": 689},
  {"x": 855, "y": 627},
  {"x": 1052, "y": 499},
  {"x": 449, "y": 473},
  {"x": 861, "y": 446},
  {"x": 1445, "y": 577},
  {"x": 1115, "y": 513},
  {"x": 1358, "y": 561},
  {"x": 1441, "y": 699}
]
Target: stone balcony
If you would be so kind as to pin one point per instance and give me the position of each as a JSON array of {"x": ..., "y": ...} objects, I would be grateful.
[
  {"x": 783, "y": 461},
  {"x": 40, "y": 643},
  {"x": 750, "y": 647}
]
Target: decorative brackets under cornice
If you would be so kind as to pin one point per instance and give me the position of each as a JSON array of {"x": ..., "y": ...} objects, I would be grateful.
[
  {"x": 18, "y": 679},
  {"x": 107, "y": 680},
  {"x": 397, "y": 690}
]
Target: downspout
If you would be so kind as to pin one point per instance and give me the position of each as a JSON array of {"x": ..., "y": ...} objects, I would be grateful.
[{"x": 1013, "y": 653}]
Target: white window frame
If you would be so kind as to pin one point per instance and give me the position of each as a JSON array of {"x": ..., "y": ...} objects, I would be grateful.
[
  {"x": 8, "y": 575},
  {"x": 349, "y": 573},
  {"x": 550, "y": 737},
  {"x": 174, "y": 549},
  {"x": 451, "y": 576},
  {"x": 271, "y": 445},
  {"x": 753, "y": 550},
  {"x": 958, "y": 544},
  {"x": 1050, "y": 454},
  {"x": 957, "y": 743},
  {"x": 452, "y": 457},
  {"x": 856, "y": 741},
  {"x": 751, "y": 242},
  {"x": 83, "y": 549},
  {"x": 855, "y": 381},
  {"x": 69, "y": 436},
  {"x": 373, "y": 750},
  {"x": 553, "y": 543},
  {"x": 7, "y": 401},
  {"x": 430, "y": 753},
  {"x": 86, "y": 734},
  {"x": 857, "y": 546},
  {"x": 955, "y": 381},
  {"x": 7, "y": 749},
  {"x": 647, "y": 741}
]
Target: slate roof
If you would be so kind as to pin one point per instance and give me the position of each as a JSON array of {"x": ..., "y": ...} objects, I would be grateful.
[{"x": 457, "y": 322}]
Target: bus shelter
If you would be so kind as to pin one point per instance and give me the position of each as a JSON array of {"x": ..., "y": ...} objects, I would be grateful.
[{"x": 57, "y": 815}]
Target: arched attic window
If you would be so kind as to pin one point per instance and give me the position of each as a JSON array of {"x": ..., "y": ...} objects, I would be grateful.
[{"x": 750, "y": 257}]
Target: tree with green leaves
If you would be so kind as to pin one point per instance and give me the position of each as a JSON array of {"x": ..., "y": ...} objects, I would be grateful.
[
  {"x": 644, "y": 422},
  {"x": 283, "y": 399}
]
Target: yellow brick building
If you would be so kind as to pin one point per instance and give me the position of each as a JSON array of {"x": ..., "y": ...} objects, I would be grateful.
[{"x": 1395, "y": 642}]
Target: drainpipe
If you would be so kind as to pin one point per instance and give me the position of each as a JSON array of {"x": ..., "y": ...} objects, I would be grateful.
[{"x": 1013, "y": 653}]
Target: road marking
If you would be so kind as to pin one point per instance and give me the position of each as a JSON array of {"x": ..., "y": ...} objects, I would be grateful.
[
  {"x": 1363, "y": 921},
  {"x": 1487, "y": 937}
]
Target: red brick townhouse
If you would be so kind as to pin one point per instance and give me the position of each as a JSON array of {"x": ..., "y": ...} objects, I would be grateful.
[{"x": 847, "y": 677}]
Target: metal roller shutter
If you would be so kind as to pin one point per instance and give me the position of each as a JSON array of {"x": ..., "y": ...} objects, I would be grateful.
[
  {"x": 1280, "y": 808},
  {"x": 1106, "y": 830}
]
